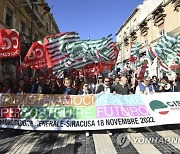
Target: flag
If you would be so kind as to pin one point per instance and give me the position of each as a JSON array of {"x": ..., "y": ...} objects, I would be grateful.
[
  {"x": 143, "y": 70},
  {"x": 166, "y": 52},
  {"x": 135, "y": 47},
  {"x": 35, "y": 58},
  {"x": 56, "y": 52},
  {"x": 1, "y": 38},
  {"x": 151, "y": 54},
  {"x": 10, "y": 43},
  {"x": 100, "y": 50},
  {"x": 177, "y": 45},
  {"x": 86, "y": 52}
]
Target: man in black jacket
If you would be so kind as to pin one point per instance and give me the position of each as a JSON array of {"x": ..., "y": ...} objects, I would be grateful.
[
  {"x": 106, "y": 87},
  {"x": 41, "y": 87}
]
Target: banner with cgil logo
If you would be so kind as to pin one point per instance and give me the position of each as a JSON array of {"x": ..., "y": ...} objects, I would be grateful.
[{"x": 88, "y": 112}]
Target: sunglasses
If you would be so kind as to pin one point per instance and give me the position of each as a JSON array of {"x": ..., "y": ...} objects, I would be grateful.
[
  {"x": 106, "y": 81},
  {"x": 86, "y": 85}
]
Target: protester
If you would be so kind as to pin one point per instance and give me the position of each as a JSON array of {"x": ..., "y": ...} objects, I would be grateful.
[
  {"x": 54, "y": 88},
  {"x": 76, "y": 85},
  {"x": 132, "y": 85},
  {"x": 41, "y": 87},
  {"x": 155, "y": 83},
  {"x": 145, "y": 87},
  {"x": 7, "y": 87},
  {"x": 84, "y": 89},
  {"x": 31, "y": 84},
  {"x": 21, "y": 87},
  {"x": 67, "y": 89},
  {"x": 122, "y": 87},
  {"x": 176, "y": 84},
  {"x": 165, "y": 86},
  {"x": 116, "y": 81},
  {"x": 99, "y": 82},
  {"x": 106, "y": 87}
]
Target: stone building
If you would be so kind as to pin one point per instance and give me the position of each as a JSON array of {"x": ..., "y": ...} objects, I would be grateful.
[
  {"x": 146, "y": 25},
  {"x": 32, "y": 19}
]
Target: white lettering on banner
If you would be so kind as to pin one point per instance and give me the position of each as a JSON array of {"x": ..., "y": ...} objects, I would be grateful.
[
  {"x": 68, "y": 113},
  {"x": 32, "y": 55},
  {"x": 15, "y": 39},
  {"x": 10, "y": 43},
  {"x": 35, "y": 54},
  {"x": 9, "y": 54},
  {"x": 41, "y": 53}
]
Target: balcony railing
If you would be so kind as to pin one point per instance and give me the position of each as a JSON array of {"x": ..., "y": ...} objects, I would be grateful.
[{"x": 28, "y": 6}]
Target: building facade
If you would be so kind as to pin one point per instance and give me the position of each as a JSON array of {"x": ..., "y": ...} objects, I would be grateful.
[
  {"x": 146, "y": 25},
  {"x": 32, "y": 19}
]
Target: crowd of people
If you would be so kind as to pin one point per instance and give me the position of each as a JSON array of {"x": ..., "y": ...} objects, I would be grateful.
[{"x": 123, "y": 85}]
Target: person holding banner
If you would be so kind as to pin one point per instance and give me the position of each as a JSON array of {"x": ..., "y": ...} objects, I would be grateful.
[
  {"x": 85, "y": 91},
  {"x": 145, "y": 87},
  {"x": 67, "y": 88},
  {"x": 54, "y": 88},
  {"x": 122, "y": 87},
  {"x": 21, "y": 87},
  {"x": 99, "y": 82},
  {"x": 7, "y": 87},
  {"x": 106, "y": 88},
  {"x": 41, "y": 87},
  {"x": 176, "y": 84}
]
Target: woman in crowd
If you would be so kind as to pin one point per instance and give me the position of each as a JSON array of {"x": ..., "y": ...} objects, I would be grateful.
[
  {"x": 21, "y": 87},
  {"x": 84, "y": 89},
  {"x": 7, "y": 87}
]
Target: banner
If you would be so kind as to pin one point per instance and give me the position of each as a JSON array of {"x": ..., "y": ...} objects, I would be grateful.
[
  {"x": 88, "y": 112},
  {"x": 9, "y": 43},
  {"x": 35, "y": 57}
]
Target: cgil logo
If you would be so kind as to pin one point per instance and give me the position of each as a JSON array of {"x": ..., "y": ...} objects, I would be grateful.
[
  {"x": 163, "y": 108},
  {"x": 159, "y": 107}
]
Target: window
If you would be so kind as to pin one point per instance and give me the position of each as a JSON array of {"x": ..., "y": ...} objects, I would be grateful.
[
  {"x": 47, "y": 26},
  {"x": 22, "y": 27},
  {"x": 162, "y": 32},
  {"x": 146, "y": 41},
  {"x": 9, "y": 18},
  {"x": 35, "y": 37}
]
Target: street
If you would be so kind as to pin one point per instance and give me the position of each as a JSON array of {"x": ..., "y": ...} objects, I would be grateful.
[{"x": 46, "y": 142}]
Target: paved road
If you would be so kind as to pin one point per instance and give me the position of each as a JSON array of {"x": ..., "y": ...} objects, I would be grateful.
[{"x": 45, "y": 142}]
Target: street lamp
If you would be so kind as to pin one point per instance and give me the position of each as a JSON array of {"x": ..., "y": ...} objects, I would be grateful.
[{"x": 34, "y": 3}]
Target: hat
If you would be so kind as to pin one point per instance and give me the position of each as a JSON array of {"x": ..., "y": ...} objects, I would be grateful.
[{"x": 100, "y": 76}]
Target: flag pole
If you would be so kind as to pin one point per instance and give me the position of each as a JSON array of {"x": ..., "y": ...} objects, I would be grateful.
[{"x": 34, "y": 72}]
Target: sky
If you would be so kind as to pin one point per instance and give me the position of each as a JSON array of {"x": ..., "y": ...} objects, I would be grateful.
[{"x": 92, "y": 19}]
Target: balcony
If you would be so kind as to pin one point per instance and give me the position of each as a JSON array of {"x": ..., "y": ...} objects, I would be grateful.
[
  {"x": 159, "y": 16},
  {"x": 176, "y": 4},
  {"x": 37, "y": 17},
  {"x": 143, "y": 28}
]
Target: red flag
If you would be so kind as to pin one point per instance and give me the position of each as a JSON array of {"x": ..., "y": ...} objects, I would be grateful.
[
  {"x": 35, "y": 57},
  {"x": 9, "y": 43},
  {"x": 143, "y": 70},
  {"x": 116, "y": 50}
]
